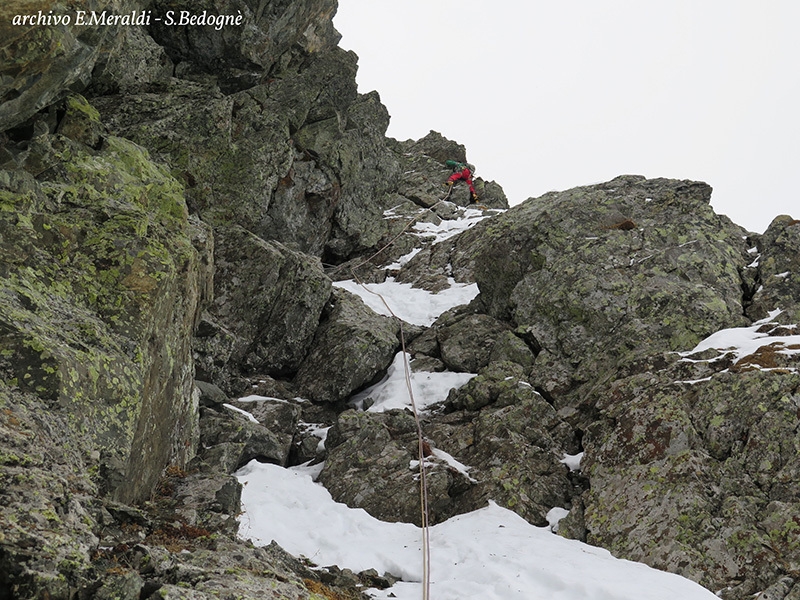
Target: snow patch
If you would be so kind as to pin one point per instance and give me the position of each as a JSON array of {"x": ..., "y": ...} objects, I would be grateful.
[
  {"x": 694, "y": 381},
  {"x": 452, "y": 462},
  {"x": 744, "y": 341},
  {"x": 449, "y": 227},
  {"x": 249, "y": 416},
  {"x": 412, "y": 305},
  {"x": 554, "y": 515},
  {"x": 392, "y": 391},
  {"x": 491, "y": 553},
  {"x": 573, "y": 461},
  {"x": 403, "y": 260},
  {"x": 257, "y": 398}
]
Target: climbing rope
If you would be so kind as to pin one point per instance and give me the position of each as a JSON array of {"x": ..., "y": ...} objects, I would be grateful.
[
  {"x": 447, "y": 195},
  {"x": 423, "y": 479}
]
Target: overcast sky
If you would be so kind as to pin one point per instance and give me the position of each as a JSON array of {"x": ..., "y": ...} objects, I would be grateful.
[{"x": 549, "y": 95}]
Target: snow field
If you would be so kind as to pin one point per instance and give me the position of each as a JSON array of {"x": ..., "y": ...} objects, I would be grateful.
[{"x": 491, "y": 554}]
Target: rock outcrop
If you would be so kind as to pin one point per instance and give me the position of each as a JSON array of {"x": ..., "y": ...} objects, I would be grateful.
[
  {"x": 352, "y": 347},
  {"x": 102, "y": 288},
  {"x": 179, "y": 209},
  {"x": 49, "y": 54},
  {"x": 268, "y": 301},
  {"x": 637, "y": 265},
  {"x": 591, "y": 305}
]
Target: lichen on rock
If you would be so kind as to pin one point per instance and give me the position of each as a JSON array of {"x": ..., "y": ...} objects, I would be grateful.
[{"x": 100, "y": 300}]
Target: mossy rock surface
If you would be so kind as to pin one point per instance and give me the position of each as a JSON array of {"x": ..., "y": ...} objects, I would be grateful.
[
  {"x": 49, "y": 497},
  {"x": 100, "y": 286},
  {"x": 634, "y": 266}
]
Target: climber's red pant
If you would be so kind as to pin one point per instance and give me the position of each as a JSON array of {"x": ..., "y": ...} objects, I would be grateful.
[{"x": 466, "y": 175}]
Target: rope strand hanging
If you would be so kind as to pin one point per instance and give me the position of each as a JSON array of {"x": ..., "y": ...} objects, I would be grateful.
[{"x": 423, "y": 480}]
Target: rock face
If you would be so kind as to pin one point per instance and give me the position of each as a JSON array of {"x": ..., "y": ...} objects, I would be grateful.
[
  {"x": 591, "y": 303},
  {"x": 638, "y": 265},
  {"x": 43, "y": 60},
  {"x": 268, "y": 301},
  {"x": 102, "y": 288},
  {"x": 271, "y": 32},
  {"x": 353, "y": 345},
  {"x": 771, "y": 283},
  {"x": 179, "y": 207}
]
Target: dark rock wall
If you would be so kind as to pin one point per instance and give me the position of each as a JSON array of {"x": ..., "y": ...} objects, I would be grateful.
[{"x": 42, "y": 63}]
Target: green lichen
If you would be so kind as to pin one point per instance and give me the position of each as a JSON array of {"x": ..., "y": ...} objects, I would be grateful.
[
  {"x": 97, "y": 251},
  {"x": 13, "y": 459},
  {"x": 79, "y": 103}
]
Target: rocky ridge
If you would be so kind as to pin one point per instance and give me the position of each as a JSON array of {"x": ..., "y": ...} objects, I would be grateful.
[{"x": 176, "y": 205}]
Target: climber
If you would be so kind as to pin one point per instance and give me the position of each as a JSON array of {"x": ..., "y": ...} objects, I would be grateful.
[{"x": 461, "y": 171}]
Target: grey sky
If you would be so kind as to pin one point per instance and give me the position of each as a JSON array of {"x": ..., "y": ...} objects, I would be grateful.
[{"x": 551, "y": 95}]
